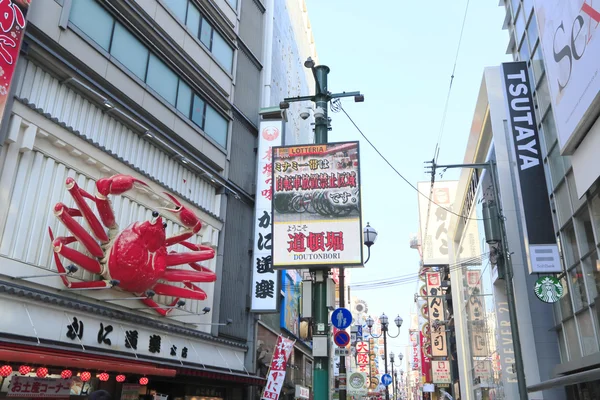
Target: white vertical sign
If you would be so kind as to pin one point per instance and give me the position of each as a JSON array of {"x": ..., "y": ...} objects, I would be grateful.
[{"x": 265, "y": 285}]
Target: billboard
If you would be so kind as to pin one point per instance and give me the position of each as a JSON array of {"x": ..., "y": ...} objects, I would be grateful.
[
  {"x": 435, "y": 304},
  {"x": 570, "y": 42},
  {"x": 543, "y": 251},
  {"x": 434, "y": 219},
  {"x": 476, "y": 310},
  {"x": 265, "y": 286},
  {"x": 441, "y": 371},
  {"x": 12, "y": 25},
  {"x": 290, "y": 307},
  {"x": 316, "y": 206}
]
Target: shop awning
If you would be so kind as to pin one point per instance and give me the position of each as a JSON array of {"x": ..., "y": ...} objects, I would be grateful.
[{"x": 64, "y": 359}]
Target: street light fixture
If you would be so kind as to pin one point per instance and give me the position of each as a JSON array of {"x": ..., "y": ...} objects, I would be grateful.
[
  {"x": 384, "y": 321},
  {"x": 369, "y": 238}
]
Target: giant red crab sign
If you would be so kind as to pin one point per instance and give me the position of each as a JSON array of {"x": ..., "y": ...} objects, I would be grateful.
[{"x": 133, "y": 259}]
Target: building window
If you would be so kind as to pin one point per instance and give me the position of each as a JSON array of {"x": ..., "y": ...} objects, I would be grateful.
[
  {"x": 129, "y": 51},
  {"x": 578, "y": 288},
  {"x": 532, "y": 32},
  {"x": 233, "y": 3},
  {"x": 561, "y": 196},
  {"x": 563, "y": 348},
  {"x": 557, "y": 166},
  {"x": 572, "y": 339},
  {"x": 595, "y": 211},
  {"x": 566, "y": 308},
  {"x": 589, "y": 343},
  {"x": 203, "y": 30},
  {"x": 537, "y": 62},
  {"x": 94, "y": 20},
  {"x": 569, "y": 245},
  {"x": 591, "y": 268},
  {"x": 133, "y": 55}
]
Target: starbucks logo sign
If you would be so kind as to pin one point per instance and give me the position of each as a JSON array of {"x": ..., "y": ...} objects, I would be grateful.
[{"x": 548, "y": 289}]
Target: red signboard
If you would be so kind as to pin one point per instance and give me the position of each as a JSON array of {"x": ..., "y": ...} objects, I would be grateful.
[{"x": 12, "y": 27}]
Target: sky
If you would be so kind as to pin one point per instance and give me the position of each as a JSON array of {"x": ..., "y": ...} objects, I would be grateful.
[{"x": 400, "y": 55}]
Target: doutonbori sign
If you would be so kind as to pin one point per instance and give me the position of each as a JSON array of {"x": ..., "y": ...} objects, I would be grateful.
[
  {"x": 543, "y": 251},
  {"x": 570, "y": 40},
  {"x": 316, "y": 206}
]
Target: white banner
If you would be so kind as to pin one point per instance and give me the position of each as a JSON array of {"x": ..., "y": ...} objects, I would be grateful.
[
  {"x": 276, "y": 374},
  {"x": 571, "y": 46},
  {"x": 33, "y": 387},
  {"x": 441, "y": 371},
  {"x": 436, "y": 307},
  {"x": 265, "y": 285},
  {"x": 316, "y": 206},
  {"x": 434, "y": 220}
]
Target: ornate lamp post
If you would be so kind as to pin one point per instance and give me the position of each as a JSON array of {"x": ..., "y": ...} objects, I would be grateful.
[
  {"x": 394, "y": 376},
  {"x": 369, "y": 237},
  {"x": 383, "y": 320}
]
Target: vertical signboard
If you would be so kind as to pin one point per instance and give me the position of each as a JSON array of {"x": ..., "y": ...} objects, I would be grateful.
[
  {"x": 265, "y": 286},
  {"x": 362, "y": 356},
  {"x": 543, "y": 251},
  {"x": 276, "y": 374},
  {"x": 424, "y": 329},
  {"x": 570, "y": 40},
  {"x": 476, "y": 309},
  {"x": 12, "y": 26},
  {"x": 441, "y": 372},
  {"x": 414, "y": 341},
  {"x": 436, "y": 315},
  {"x": 316, "y": 206},
  {"x": 290, "y": 307},
  {"x": 434, "y": 219}
]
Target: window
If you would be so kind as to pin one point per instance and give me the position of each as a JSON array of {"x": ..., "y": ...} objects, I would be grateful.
[
  {"x": 129, "y": 51},
  {"x": 162, "y": 79},
  {"x": 233, "y": 3},
  {"x": 595, "y": 210},
  {"x": 537, "y": 62},
  {"x": 577, "y": 203},
  {"x": 589, "y": 343},
  {"x": 572, "y": 340},
  {"x": 532, "y": 32},
  {"x": 557, "y": 167},
  {"x": 578, "y": 288},
  {"x": 566, "y": 309},
  {"x": 563, "y": 348},
  {"x": 543, "y": 95},
  {"x": 216, "y": 126},
  {"x": 132, "y": 54},
  {"x": 591, "y": 268},
  {"x": 569, "y": 245},
  {"x": 549, "y": 128},
  {"x": 94, "y": 20},
  {"x": 562, "y": 203},
  {"x": 203, "y": 30}
]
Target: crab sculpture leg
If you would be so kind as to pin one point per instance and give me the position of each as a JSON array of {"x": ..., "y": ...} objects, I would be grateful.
[{"x": 116, "y": 184}]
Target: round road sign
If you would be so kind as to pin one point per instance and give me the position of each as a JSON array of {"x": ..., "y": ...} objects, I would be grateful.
[{"x": 341, "y": 338}]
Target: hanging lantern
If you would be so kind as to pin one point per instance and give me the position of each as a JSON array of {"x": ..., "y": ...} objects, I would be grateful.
[
  {"x": 66, "y": 374},
  {"x": 41, "y": 372},
  {"x": 103, "y": 377},
  {"x": 143, "y": 380},
  {"x": 24, "y": 369},
  {"x": 5, "y": 371},
  {"x": 120, "y": 378},
  {"x": 85, "y": 376}
]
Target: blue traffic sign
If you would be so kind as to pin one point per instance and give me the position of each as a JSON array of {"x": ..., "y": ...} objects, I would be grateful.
[
  {"x": 386, "y": 379},
  {"x": 341, "y": 318},
  {"x": 359, "y": 331},
  {"x": 341, "y": 338}
]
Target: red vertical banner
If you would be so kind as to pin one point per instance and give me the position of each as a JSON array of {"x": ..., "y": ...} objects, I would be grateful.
[
  {"x": 425, "y": 358},
  {"x": 276, "y": 375},
  {"x": 12, "y": 28}
]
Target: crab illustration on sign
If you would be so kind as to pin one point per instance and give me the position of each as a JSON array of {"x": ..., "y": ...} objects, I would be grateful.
[
  {"x": 136, "y": 258},
  {"x": 548, "y": 289}
]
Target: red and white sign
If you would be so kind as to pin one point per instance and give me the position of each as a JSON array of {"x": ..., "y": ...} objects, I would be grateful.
[
  {"x": 414, "y": 340},
  {"x": 276, "y": 375},
  {"x": 441, "y": 371},
  {"x": 362, "y": 356},
  {"x": 33, "y": 387},
  {"x": 435, "y": 304},
  {"x": 12, "y": 27}
]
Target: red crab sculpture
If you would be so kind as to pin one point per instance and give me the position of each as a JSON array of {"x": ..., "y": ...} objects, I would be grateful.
[{"x": 136, "y": 258}]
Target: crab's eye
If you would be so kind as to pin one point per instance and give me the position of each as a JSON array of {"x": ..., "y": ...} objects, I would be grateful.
[
  {"x": 165, "y": 225},
  {"x": 155, "y": 214}
]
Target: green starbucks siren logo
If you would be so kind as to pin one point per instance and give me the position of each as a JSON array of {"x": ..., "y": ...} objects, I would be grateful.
[{"x": 548, "y": 289}]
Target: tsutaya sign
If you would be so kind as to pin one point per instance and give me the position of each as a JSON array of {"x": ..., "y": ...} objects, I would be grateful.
[
  {"x": 570, "y": 40},
  {"x": 265, "y": 285},
  {"x": 543, "y": 251},
  {"x": 316, "y": 206}
]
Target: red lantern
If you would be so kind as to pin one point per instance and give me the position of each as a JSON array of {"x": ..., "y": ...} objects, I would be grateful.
[
  {"x": 66, "y": 374},
  {"x": 120, "y": 378},
  {"x": 41, "y": 372},
  {"x": 5, "y": 371},
  {"x": 85, "y": 376},
  {"x": 143, "y": 380},
  {"x": 24, "y": 369},
  {"x": 103, "y": 377}
]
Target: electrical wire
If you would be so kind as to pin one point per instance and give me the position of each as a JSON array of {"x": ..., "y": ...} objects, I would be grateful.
[{"x": 339, "y": 105}]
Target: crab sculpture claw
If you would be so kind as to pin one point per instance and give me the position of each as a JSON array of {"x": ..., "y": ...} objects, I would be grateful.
[{"x": 187, "y": 218}]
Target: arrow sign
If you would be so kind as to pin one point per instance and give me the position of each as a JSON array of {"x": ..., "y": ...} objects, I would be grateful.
[
  {"x": 341, "y": 318},
  {"x": 386, "y": 379},
  {"x": 341, "y": 338}
]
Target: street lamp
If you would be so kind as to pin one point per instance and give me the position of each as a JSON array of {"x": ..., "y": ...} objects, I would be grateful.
[
  {"x": 394, "y": 376},
  {"x": 383, "y": 320},
  {"x": 370, "y": 236}
]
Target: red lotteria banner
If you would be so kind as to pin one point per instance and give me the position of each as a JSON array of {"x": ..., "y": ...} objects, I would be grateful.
[
  {"x": 425, "y": 358},
  {"x": 12, "y": 27}
]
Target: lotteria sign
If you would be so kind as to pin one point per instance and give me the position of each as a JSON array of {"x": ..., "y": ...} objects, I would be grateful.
[{"x": 570, "y": 40}]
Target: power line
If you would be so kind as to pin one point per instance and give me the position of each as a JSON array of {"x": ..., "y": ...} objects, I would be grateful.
[{"x": 338, "y": 105}]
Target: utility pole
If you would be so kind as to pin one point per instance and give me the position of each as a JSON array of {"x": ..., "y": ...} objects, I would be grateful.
[
  {"x": 504, "y": 268},
  {"x": 321, "y": 99}
]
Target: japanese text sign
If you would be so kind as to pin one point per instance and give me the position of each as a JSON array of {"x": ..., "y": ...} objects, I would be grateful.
[
  {"x": 12, "y": 27},
  {"x": 434, "y": 219},
  {"x": 33, "y": 387},
  {"x": 414, "y": 340},
  {"x": 476, "y": 309},
  {"x": 316, "y": 206},
  {"x": 441, "y": 371},
  {"x": 265, "y": 285},
  {"x": 276, "y": 374},
  {"x": 435, "y": 299}
]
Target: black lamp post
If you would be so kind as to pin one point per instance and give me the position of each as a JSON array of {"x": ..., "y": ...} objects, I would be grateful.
[
  {"x": 383, "y": 320},
  {"x": 394, "y": 376},
  {"x": 369, "y": 237}
]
